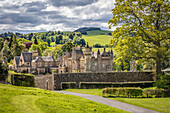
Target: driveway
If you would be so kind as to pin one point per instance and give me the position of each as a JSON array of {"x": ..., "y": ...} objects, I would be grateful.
[{"x": 110, "y": 102}]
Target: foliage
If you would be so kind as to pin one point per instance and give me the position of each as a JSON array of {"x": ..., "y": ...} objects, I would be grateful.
[
  {"x": 79, "y": 41},
  {"x": 92, "y": 85},
  {"x": 123, "y": 92},
  {"x": 20, "y": 79},
  {"x": 3, "y": 68},
  {"x": 67, "y": 46},
  {"x": 156, "y": 93},
  {"x": 36, "y": 41},
  {"x": 163, "y": 82},
  {"x": 68, "y": 85},
  {"x": 143, "y": 31},
  {"x": 15, "y": 99},
  {"x": 6, "y": 51},
  {"x": 97, "y": 45}
]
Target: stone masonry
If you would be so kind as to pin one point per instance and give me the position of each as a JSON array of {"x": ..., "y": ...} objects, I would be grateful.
[{"x": 102, "y": 77}]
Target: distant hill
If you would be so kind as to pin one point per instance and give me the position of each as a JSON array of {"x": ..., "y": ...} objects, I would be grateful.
[{"x": 84, "y": 30}]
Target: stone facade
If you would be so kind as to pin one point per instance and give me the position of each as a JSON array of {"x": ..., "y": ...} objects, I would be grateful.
[
  {"x": 45, "y": 82},
  {"x": 31, "y": 62},
  {"x": 87, "y": 61},
  {"x": 102, "y": 77}
]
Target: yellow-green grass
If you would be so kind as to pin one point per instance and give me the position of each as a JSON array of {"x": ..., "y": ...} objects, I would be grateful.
[
  {"x": 15, "y": 99},
  {"x": 157, "y": 104},
  {"x": 100, "y": 39}
]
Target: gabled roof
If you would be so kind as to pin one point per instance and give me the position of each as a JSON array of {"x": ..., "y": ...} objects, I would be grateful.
[
  {"x": 27, "y": 56},
  {"x": 17, "y": 59}
]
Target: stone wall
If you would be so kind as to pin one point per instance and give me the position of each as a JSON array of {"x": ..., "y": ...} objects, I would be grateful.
[
  {"x": 45, "y": 81},
  {"x": 101, "y": 77}
]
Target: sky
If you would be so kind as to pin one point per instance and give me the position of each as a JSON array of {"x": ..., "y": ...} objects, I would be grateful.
[{"x": 27, "y": 16}]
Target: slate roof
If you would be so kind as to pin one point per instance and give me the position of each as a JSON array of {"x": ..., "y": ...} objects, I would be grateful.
[
  {"x": 48, "y": 58},
  {"x": 27, "y": 56},
  {"x": 17, "y": 59}
]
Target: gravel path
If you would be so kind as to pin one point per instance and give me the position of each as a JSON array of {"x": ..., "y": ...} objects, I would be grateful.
[{"x": 110, "y": 102}]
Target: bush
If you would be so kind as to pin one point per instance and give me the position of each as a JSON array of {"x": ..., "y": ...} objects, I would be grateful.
[
  {"x": 163, "y": 82},
  {"x": 156, "y": 93},
  {"x": 123, "y": 92},
  {"x": 68, "y": 85},
  {"x": 92, "y": 85},
  {"x": 21, "y": 79}
]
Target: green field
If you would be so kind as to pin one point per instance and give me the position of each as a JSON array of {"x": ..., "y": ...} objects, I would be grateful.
[
  {"x": 100, "y": 39},
  {"x": 157, "y": 104},
  {"x": 15, "y": 99}
]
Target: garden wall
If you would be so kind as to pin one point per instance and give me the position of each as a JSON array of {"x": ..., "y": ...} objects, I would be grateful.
[
  {"x": 101, "y": 77},
  {"x": 45, "y": 82}
]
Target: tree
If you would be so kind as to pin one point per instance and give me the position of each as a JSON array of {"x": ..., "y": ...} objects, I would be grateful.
[
  {"x": 48, "y": 41},
  {"x": 67, "y": 46},
  {"x": 71, "y": 36},
  {"x": 3, "y": 68},
  {"x": 143, "y": 31},
  {"x": 79, "y": 41},
  {"x": 35, "y": 40},
  {"x": 6, "y": 51}
]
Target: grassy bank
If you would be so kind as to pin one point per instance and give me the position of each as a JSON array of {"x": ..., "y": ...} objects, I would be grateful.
[
  {"x": 157, "y": 104},
  {"x": 15, "y": 99}
]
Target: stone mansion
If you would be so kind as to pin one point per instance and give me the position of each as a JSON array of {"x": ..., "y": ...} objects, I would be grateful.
[{"x": 70, "y": 62}]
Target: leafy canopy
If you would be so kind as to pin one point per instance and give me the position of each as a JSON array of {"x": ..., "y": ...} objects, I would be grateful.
[{"x": 142, "y": 30}]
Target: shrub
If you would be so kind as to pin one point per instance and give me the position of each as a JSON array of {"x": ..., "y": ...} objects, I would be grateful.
[
  {"x": 163, "y": 82},
  {"x": 21, "y": 79},
  {"x": 156, "y": 92},
  {"x": 68, "y": 85},
  {"x": 123, "y": 92},
  {"x": 91, "y": 85}
]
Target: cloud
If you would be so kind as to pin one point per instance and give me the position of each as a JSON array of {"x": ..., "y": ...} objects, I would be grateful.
[
  {"x": 44, "y": 15},
  {"x": 60, "y": 3}
]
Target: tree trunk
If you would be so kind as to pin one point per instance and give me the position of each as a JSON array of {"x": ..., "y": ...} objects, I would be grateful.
[{"x": 158, "y": 66}]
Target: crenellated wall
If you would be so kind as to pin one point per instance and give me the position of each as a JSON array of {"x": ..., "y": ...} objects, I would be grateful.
[{"x": 101, "y": 77}]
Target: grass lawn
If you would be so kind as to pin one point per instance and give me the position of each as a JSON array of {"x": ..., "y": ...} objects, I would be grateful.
[
  {"x": 15, "y": 99},
  {"x": 157, "y": 104},
  {"x": 100, "y": 39}
]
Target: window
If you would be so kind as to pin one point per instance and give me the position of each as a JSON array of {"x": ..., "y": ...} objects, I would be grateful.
[{"x": 39, "y": 64}]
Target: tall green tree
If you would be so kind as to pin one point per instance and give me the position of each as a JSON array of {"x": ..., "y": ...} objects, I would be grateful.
[
  {"x": 6, "y": 51},
  {"x": 3, "y": 68},
  {"x": 35, "y": 40},
  {"x": 143, "y": 29}
]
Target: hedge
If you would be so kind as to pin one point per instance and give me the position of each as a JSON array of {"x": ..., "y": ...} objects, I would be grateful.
[
  {"x": 68, "y": 85},
  {"x": 135, "y": 92},
  {"x": 156, "y": 93},
  {"x": 21, "y": 79},
  {"x": 123, "y": 92},
  {"x": 92, "y": 85}
]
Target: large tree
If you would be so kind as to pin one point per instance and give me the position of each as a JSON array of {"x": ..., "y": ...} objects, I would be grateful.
[
  {"x": 3, "y": 68},
  {"x": 142, "y": 29}
]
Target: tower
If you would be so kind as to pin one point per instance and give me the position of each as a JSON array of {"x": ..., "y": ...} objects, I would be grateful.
[{"x": 87, "y": 54}]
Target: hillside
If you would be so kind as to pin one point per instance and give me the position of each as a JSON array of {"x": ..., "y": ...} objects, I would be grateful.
[
  {"x": 15, "y": 99},
  {"x": 100, "y": 39}
]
